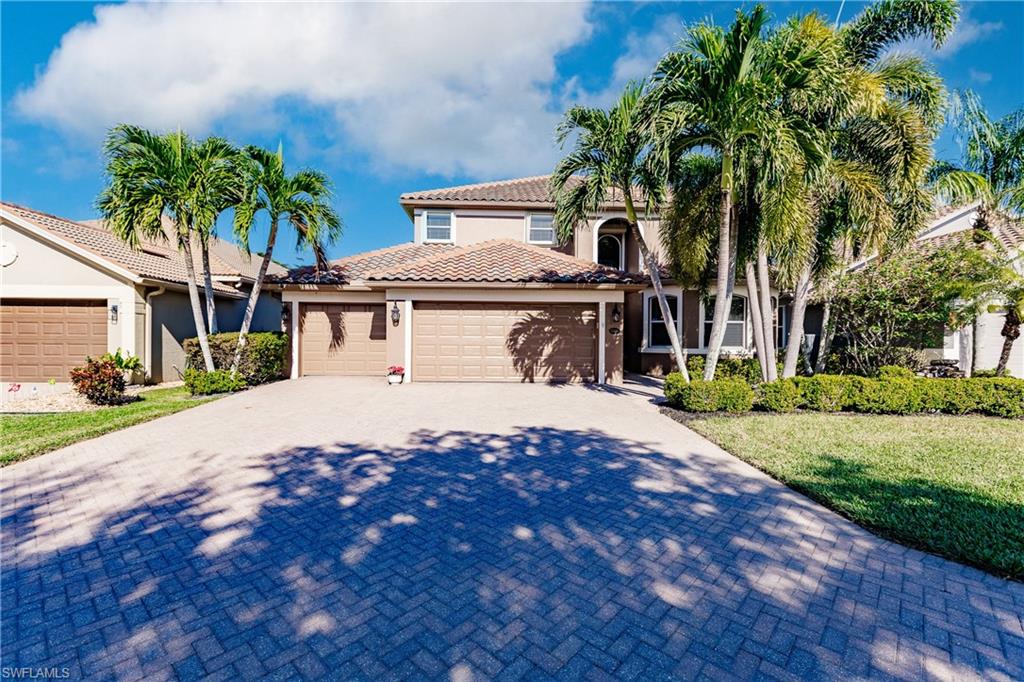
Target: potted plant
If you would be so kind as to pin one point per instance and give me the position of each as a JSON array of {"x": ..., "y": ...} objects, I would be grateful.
[{"x": 396, "y": 373}]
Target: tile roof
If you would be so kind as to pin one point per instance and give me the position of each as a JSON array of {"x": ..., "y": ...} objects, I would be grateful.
[
  {"x": 1007, "y": 229},
  {"x": 357, "y": 267},
  {"x": 532, "y": 191},
  {"x": 152, "y": 261},
  {"x": 504, "y": 260}
]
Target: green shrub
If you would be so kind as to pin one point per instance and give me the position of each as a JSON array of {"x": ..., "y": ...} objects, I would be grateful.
[
  {"x": 1001, "y": 396},
  {"x": 986, "y": 373},
  {"x": 263, "y": 359},
  {"x": 124, "y": 361},
  {"x": 745, "y": 369},
  {"x": 828, "y": 392},
  {"x": 779, "y": 396},
  {"x": 894, "y": 372},
  {"x": 100, "y": 381},
  {"x": 721, "y": 395},
  {"x": 889, "y": 396},
  {"x": 199, "y": 382}
]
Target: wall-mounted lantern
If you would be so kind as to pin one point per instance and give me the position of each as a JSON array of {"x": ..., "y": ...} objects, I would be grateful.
[
  {"x": 113, "y": 313},
  {"x": 396, "y": 314},
  {"x": 616, "y": 314}
]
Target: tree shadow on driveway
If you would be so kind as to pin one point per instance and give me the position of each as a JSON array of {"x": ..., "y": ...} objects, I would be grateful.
[{"x": 540, "y": 553}]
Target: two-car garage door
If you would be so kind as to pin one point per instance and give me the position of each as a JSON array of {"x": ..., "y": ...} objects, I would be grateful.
[
  {"x": 455, "y": 341},
  {"x": 42, "y": 340},
  {"x": 504, "y": 342}
]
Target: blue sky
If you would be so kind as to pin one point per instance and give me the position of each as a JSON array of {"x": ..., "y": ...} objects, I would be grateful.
[{"x": 385, "y": 98}]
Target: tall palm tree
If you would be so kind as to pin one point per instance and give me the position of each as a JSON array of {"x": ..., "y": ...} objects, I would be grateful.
[
  {"x": 991, "y": 172},
  {"x": 613, "y": 152},
  {"x": 151, "y": 176},
  {"x": 722, "y": 91},
  {"x": 301, "y": 200}
]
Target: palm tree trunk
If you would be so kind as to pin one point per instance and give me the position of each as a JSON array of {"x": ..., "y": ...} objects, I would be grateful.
[
  {"x": 723, "y": 294},
  {"x": 764, "y": 284},
  {"x": 254, "y": 296},
  {"x": 1010, "y": 332},
  {"x": 828, "y": 332},
  {"x": 796, "y": 333},
  {"x": 211, "y": 304},
  {"x": 659, "y": 292},
  {"x": 197, "y": 308},
  {"x": 755, "y": 318}
]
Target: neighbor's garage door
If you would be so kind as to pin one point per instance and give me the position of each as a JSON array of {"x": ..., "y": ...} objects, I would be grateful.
[
  {"x": 342, "y": 339},
  {"x": 504, "y": 342},
  {"x": 42, "y": 340}
]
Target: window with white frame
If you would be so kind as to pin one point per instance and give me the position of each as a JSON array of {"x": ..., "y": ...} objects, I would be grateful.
[
  {"x": 438, "y": 226},
  {"x": 540, "y": 228},
  {"x": 781, "y": 324},
  {"x": 657, "y": 330},
  {"x": 735, "y": 327}
]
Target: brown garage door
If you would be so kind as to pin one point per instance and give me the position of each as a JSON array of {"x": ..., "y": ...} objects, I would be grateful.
[
  {"x": 504, "y": 342},
  {"x": 343, "y": 339},
  {"x": 43, "y": 340}
]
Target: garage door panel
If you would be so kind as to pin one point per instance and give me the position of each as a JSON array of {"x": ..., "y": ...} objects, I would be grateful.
[
  {"x": 504, "y": 342},
  {"x": 44, "y": 340},
  {"x": 343, "y": 339}
]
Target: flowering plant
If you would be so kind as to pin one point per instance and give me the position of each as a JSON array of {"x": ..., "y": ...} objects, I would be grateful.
[{"x": 396, "y": 369}]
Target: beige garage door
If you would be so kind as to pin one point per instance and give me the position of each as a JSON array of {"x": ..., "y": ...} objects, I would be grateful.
[
  {"x": 504, "y": 342},
  {"x": 43, "y": 340},
  {"x": 342, "y": 339}
]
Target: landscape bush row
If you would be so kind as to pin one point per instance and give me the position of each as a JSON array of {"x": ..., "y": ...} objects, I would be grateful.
[
  {"x": 889, "y": 393},
  {"x": 264, "y": 359}
]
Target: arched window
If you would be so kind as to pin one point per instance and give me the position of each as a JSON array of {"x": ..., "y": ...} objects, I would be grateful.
[{"x": 609, "y": 251}]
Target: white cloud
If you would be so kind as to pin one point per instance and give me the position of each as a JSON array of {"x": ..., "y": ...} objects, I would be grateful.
[
  {"x": 967, "y": 31},
  {"x": 979, "y": 76},
  {"x": 643, "y": 51},
  {"x": 439, "y": 87}
]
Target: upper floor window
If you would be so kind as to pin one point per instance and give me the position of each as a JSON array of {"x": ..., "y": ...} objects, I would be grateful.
[
  {"x": 438, "y": 226},
  {"x": 610, "y": 251},
  {"x": 540, "y": 228},
  {"x": 735, "y": 327}
]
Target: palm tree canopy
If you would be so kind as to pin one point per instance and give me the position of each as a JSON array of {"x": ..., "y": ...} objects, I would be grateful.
[
  {"x": 888, "y": 22},
  {"x": 151, "y": 175},
  {"x": 612, "y": 150},
  {"x": 303, "y": 199}
]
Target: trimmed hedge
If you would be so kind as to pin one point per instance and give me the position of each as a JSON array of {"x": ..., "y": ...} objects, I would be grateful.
[
  {"x": 199, "y": 382},
  {"x": 779, "y": 396},
  {"x": 264, "y": 359},
  {"x": 746, "y": 369},
  {"x": 894, "y": 372},
  {"x": 721, "y": 395},
  {"x": 998, "y": 397}
]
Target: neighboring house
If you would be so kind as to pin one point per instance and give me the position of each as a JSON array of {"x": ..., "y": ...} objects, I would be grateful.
[
  {"x": 484, "y": 292},
  {"x": 72, "y": 289},
  {"x": 982, "y": 341}
]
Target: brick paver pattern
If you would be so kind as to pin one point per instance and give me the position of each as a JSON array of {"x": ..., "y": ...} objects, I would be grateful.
[{"x": 331, "y": 528}]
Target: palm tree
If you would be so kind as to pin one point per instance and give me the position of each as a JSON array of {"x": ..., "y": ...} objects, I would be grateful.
[
  {"x": 871, "y": 195},
  {"x": 992, "y": 173},
  {"x": 613, "y": 152},
  {"x": 302, "y": 200},
  {"x": 722, "y": 91},
  {"x": 151, "y": 176}
]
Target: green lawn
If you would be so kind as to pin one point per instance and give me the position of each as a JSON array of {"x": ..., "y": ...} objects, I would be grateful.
[
  {"x": 949, "y": 485},
  {"x": 27, "y": 435}
]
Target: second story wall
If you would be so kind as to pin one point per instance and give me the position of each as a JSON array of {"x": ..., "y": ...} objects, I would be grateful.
[{"x": 471, "y": 225}]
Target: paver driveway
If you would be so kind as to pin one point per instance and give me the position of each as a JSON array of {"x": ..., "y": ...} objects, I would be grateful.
[{"x": 342, "y": 528}]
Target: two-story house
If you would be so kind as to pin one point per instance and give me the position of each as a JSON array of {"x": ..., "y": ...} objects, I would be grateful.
[{"x": 485, "y": 292}]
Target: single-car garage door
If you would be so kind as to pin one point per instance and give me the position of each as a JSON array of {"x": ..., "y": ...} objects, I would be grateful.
[
  {"x": 42, "y": 340},
  {"x": 342, "y": 339},
  {"x": 504, "y": 342}
]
